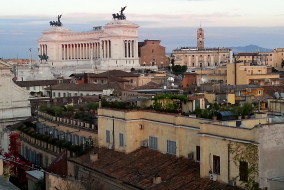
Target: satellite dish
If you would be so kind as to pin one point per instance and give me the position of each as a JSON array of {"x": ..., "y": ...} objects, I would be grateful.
[
  {"x": 276, "y": 94},
  {"x": 171, "y": 79}
]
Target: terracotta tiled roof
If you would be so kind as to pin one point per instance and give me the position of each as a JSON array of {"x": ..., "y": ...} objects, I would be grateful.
[
  {"x": 39, "y": 82},
  {"x": 270, "y": 90},
  {"x": 139, "y": 167},
  {"x": 114, "y": 73},
  {"x": 149, "y": 85},
  {"x": 84, "y": 87},
  {"x": 59, "y": 165}
]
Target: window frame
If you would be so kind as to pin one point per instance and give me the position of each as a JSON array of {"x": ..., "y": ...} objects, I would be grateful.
[
  {"x": 243, "y": 171},
  {"x": 216, "y": 164},
  {"x": 171, "y": 147},
  {"x": 153, "y": 143},
  {"x": 107, "y": 136},
  {"x": 121, "y": 139}
]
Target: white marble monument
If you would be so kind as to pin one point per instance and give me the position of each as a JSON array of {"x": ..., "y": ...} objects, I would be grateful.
[{"x": 113, "y": 46}]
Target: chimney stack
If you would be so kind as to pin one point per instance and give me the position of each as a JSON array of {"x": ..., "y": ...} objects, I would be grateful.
[{"x": 157, "y": 179}]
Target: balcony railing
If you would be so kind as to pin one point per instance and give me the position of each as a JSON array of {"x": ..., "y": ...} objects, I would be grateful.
[{"x": 69, "y": 122}]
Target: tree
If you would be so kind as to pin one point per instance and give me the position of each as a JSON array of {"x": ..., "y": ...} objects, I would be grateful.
[{"x": 179, "y": 70}]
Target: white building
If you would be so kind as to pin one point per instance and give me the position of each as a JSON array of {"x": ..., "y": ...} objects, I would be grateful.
[
  {"x": 14, "y": 103},
  {"x": 113, "y": 46}
]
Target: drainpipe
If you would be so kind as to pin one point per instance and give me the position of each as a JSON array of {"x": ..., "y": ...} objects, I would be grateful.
[
  {"x": 229, "y": 163},
  {"x": 113, "y": 133}
]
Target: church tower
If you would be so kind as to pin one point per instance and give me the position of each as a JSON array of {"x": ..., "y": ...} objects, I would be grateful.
[{"x": 200, "y": 38}]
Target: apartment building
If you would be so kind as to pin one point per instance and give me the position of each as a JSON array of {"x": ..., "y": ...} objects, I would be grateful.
[{"x": 221, "y": 147}]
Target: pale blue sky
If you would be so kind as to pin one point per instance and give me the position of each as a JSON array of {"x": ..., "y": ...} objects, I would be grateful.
[{"x": 226, "y": 22}]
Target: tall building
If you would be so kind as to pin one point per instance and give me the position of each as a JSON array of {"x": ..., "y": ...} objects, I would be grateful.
[
  {"x": 113, "y": 46},
  {"x": 199, "y": 57}
]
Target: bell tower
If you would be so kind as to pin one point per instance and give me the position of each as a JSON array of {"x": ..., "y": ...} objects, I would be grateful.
[{"x": 200, "y": 38}]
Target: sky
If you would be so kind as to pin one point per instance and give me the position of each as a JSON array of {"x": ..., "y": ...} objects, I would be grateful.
[{"x": 226, "y": 23}]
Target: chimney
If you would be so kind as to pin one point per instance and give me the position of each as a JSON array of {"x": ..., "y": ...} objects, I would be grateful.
[
  {"x": 157, "y": 179},
  {"x": 94, "y": 157},
  {"x": 1, "y": 165}
]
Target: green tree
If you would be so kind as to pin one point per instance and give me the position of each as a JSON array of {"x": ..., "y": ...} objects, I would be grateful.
[{"x": 179, "y": 70}]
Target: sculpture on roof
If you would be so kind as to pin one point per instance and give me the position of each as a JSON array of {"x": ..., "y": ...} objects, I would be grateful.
[
  {"x": 56, "y": 23},
  {"x": 121, "y": 16}
]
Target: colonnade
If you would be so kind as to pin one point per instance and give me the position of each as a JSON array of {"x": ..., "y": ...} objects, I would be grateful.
[
  {"x": 106, "y": 49},
  {"x": 80, "y": 51},
  {"x": 43, "y": 49},
  {"x": 93, "y": 50},
  {"x": 129, "y": 48}
]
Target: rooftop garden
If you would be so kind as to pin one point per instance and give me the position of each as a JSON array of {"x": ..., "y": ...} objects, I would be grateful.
[
  {"x": 30, "y": 129},
  {"x": 84, "y": 113},
  {"x": 243, "y": 110}
]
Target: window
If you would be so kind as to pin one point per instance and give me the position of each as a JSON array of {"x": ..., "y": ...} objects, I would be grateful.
[
  {"x": 76, "y": 139},
  {"x": 121, "y": 139},
  {"x": 82, "y": 140},
  {"x": 107, "y": 136},
  {"x": 197, "y": 153},
  {"x": 216, "y": 164},
  {"x": 171, "y": 147},
  {"x": 153, "y": 143},
  {"x": 243, "y": 169}
]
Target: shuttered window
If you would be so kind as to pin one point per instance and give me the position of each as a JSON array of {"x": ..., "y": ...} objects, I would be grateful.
[
  {"x": 171, "y": 147},
  {"x": 107, "y": 136},
  {"x": 153, "y": 143},
  {"x": 121, "y": 139}
]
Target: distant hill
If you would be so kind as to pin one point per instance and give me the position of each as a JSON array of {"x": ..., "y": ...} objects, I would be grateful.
[{"x": 249, "y": 48}]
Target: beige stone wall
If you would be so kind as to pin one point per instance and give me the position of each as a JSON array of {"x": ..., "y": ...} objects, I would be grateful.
[
  {"x": 246, "y": 73},
  {"x": 210, "y": 97},
  {"x": 276, "y": 105},
  {"x": 137, "y": 126},
  {"x": 271, "y": 151}
]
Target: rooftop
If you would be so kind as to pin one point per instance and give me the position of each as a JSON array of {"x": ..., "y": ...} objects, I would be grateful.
[
  {"x": 139, "y": 167},
  {"x": 113, "y": 73},
  {"x": 83, "y": 87}
]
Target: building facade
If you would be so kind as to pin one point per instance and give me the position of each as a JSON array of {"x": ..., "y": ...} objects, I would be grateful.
[
  {"x": 198, "y": 57},
  {"x": 234, "y": 151},
  {"x": 151, "y": 53},
  {"x": 239, "y": 74}
]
